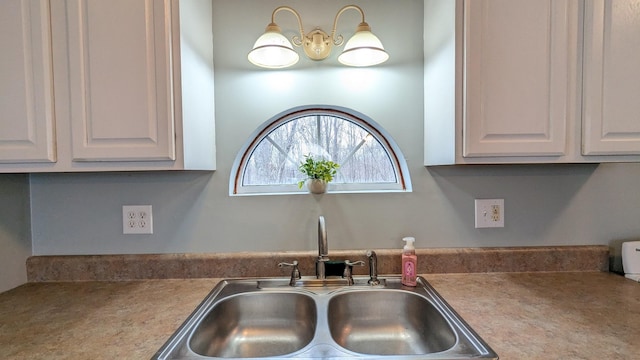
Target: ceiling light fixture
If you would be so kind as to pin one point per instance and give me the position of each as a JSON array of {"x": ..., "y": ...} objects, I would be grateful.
[{"x": 274, "y": 51}]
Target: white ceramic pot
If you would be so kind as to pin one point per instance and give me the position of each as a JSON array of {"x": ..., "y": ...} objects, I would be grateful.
[{"x": 317, "y": 186}]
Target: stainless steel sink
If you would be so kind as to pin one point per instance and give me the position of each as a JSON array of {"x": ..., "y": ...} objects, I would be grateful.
[
  {"x": 321, "y": 319},
  {"x": 256, "y": 324},
  {"x": 384, "y": 322}
]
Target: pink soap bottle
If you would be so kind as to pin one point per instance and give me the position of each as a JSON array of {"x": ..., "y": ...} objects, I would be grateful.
[{"x": 409, "y": 262}]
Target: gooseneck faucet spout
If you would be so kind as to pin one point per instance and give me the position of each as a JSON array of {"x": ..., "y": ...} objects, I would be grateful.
[{"x": 323, "y": 248}]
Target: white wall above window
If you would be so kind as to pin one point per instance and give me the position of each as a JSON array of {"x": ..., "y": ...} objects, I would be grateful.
[{"x": 369, "y": 159}]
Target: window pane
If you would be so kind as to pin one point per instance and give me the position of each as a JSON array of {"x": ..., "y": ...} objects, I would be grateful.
[
  {"x": 370, "y": 164},
  {"x": 276, "y": 158}
]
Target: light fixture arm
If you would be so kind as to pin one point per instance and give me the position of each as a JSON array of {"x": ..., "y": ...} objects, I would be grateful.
[
  {"x": 297, "y": 40},
  {"x": 340, "y": 39}
]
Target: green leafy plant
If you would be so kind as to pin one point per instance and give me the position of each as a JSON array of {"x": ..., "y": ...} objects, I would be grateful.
[{"x": 317, "y": 169}]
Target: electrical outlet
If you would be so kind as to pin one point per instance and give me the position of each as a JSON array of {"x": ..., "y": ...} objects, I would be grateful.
[
  {"x": 137, "y": 219},
  {"x": 489, "y": 213}
]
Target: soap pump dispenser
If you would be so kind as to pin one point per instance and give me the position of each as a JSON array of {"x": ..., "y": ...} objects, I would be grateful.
[{"x": 409, "y": 262}]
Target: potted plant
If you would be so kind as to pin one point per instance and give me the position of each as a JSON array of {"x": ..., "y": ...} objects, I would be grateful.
[{"x": 318, "y": 173}]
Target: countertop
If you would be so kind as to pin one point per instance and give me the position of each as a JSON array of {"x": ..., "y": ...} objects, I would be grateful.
[{"x": 563, "y": 315}]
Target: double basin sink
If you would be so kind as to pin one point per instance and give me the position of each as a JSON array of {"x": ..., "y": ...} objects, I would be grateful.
[{"x": 324, "y": 319}]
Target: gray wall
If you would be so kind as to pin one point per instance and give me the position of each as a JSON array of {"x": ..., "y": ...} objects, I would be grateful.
[
  {"x": 15, "y": 236},
  {"x": 545, "y": 204}
]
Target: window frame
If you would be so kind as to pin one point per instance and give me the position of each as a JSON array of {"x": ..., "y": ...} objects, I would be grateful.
[{"x": 402, "y": 184}]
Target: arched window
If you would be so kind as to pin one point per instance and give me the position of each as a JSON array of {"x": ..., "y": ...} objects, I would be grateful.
[{"x": 369, "y": 159}]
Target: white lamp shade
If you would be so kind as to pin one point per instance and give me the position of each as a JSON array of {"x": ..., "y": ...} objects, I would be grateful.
[
  {"x": 274, "y": 51},
  {"x": 363, "y": 49}
]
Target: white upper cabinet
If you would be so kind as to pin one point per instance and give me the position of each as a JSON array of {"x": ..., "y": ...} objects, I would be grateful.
[
  {"x": 611, "y": 118},
  {"x": 518, "y": 69},
  {"x": 121, "y": 83},
  {"x": 517, "y": 75},
  {"x": 120, "y": 69},
  {"x": 27, "y": 118}
]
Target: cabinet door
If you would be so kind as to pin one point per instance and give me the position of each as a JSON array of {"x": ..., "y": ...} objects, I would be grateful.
[
  {"x": 121, "y": 80},
  {"x": 26, "y": 87},
  {"x": 519, "y": 76},
  {"x": 611, "y": 118}
]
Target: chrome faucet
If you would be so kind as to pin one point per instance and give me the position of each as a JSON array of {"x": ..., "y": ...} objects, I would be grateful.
[
  {"x": 323, "y": 249},
  {"x": 323, "y": 258},
  {"x": 373, "y": 268}
]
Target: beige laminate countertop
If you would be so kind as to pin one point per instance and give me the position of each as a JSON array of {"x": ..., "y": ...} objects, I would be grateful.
[{"x": 587, "y": 315}]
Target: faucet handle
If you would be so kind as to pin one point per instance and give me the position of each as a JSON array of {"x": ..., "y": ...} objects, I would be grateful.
[
  {"x": 295, "y": 271},
  {"x": 347, "y": 270},
  {"x": 355, "y": 263}
]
